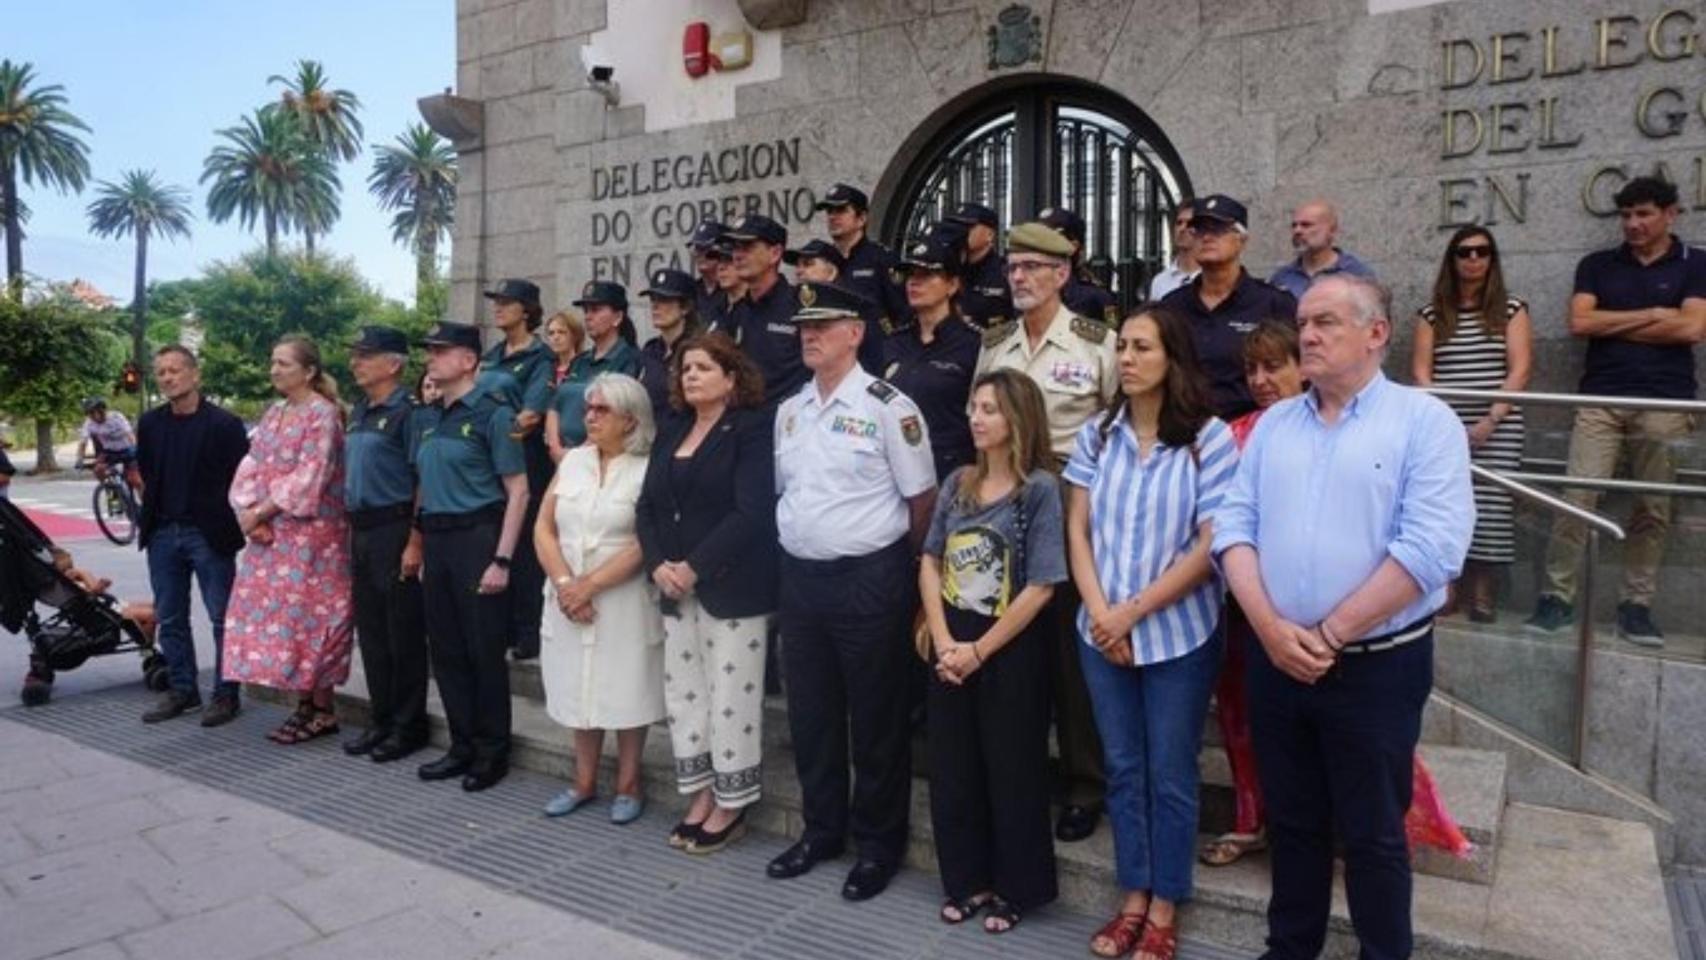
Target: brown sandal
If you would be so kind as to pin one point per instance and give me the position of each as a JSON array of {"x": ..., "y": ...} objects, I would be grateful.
[
  {"x": 1123, "y": 931},
  {"x": 1159, "y": 942},
  {"x": 291, "y": 729},
  {"x": 1229, "y": 848},
  {"x": 321, "y": 723}
]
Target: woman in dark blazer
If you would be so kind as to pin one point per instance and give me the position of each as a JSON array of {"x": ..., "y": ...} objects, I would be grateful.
[{"x": 706, "y": 520}]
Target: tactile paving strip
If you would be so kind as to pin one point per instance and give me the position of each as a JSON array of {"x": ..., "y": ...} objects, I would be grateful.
[{"x": 624, "y": 877}]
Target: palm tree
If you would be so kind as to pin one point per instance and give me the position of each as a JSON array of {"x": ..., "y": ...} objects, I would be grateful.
[
  {"x": 267, "y": 170},
  {"x": 416, "y": 176},
  {"x": 37, "y": 143},
  {"x": 327, "y": 118},
  {"x": 141, "y": 206}
]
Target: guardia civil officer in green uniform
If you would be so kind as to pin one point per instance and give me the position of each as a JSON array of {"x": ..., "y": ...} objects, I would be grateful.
[
  {"x": 385, "y": 550},
  {"x": 516, "y": 313},
  {"x": 473, "y": 497},
  {"x": 857, "y": 483}
]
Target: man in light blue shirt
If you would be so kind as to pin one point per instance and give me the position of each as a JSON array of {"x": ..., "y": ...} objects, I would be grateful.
[
  {"x": 1350, "y": 514},
  {"x": 1315, "y": 236}
]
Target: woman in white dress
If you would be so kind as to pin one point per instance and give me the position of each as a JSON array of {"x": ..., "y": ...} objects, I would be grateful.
[{"x": 602, "y": 653}]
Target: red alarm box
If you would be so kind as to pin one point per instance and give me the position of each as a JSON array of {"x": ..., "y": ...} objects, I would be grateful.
[{"x": 696, "y": 49}]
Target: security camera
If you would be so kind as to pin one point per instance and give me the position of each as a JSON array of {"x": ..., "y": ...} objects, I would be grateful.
[{"x": 599, "y": 73}]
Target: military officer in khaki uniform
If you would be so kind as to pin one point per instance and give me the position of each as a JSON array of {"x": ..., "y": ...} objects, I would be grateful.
[{"x": 1072, "y": 359}]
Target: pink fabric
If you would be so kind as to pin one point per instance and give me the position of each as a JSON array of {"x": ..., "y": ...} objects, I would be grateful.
[
  {"x": 289, "y": 622},
  {"x": 1428, "y": 822}
]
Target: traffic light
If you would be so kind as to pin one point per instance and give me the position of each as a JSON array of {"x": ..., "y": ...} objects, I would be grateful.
[{"x": 130, "y": 380}]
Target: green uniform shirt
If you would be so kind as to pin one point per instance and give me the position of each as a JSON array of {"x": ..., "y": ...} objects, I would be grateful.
[
  {"x": 530, "y": 368},
  {"x": 463, "y": 451},
  {"x": 569, "y": 400},
  {"x": 376, "y": 455}
]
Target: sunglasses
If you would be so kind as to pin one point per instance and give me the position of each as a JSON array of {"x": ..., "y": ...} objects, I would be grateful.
[{"x": 1466, "y": 252}]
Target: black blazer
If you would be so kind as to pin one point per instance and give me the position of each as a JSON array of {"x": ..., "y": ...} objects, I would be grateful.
[
  {"x": 222, "y": 445},
  {"x": 723, "y": 522}
]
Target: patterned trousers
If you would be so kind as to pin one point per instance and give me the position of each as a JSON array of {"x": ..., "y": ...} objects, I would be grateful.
[{"x": 713, "y": 688}]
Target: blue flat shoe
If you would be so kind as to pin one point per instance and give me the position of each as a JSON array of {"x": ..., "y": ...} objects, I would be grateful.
[
  {"x": 566, "y": 803},
  {"x": 626, "y": 809}
]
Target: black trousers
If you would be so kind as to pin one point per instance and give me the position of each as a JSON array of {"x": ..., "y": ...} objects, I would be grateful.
[
  {"x": 468, "y": 635},
  {"x": 390, "y": 630},
  {"x": 844, "y": 652},
  {"x": 1079, "y": 778},
  {"x": 526, "y": 576},
  {"x": 989, "y": 795},
  {"x": 1337, "y": 757}
]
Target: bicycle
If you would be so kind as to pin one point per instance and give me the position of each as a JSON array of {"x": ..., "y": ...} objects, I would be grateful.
[{"x": 115, "y": 506}]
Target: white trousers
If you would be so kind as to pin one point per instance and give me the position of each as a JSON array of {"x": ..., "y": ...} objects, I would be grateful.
[{"x": 713, "y": 689}]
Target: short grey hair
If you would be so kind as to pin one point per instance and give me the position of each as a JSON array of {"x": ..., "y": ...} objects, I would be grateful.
[
  {"x": 1369, "y": 299},
  {"x": 626, "y": 396}
]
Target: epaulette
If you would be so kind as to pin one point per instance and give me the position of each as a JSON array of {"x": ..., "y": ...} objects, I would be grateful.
[
  {"x": 1094, "y": 331},
  {"x": 999, "y": 332},
  {"x": 882, "y": 390}
]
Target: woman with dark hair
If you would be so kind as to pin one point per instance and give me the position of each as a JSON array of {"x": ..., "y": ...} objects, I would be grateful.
[
  {"x": 1143, "y": 480},
  {"x": 675, "y": 317},
  {"x": 609, "y": 350},
  {"x": 706, "y": 520},
  {"x": 933, "y": 360},
  {"x": 1475, "y": 336},
  {"x": 290, "y": 621},
  {"x": 427, "y": 393},
  {"x": 990, "y": 564}
]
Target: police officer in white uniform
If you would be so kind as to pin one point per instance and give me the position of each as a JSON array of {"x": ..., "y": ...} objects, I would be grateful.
[{"x": 857, "y": 483}]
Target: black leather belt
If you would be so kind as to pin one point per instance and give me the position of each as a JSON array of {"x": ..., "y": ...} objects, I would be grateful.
[
  {"x": 440, "y": 522},
  {"x": 375, "y": 516}
]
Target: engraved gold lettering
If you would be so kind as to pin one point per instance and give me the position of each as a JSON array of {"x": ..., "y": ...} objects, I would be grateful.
[
  {"x": 1613, "y": 39},
  {"x": 1507, "y": 52},
  {"x": 1678, "y": 51},
  {"x": 1451, "y": 130},
  {"x": 1449, "y": 79},
  {"x": 1597, "y": 191},
  {"x": 1664, "y": 123},
  {"x": 1506, "y": 118},
  {"x": 1548, "y": 139},
  {"x": 1549, "y": 63},
  {"x": 1454, "y": 209}
]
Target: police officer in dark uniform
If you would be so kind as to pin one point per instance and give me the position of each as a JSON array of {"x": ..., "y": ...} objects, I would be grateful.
[
  {"x": 676, "y": 320},
  {"x": 985, "y": 299},
  {"x": 932, "y": 361},
  {"x": 868, "y": 269},
  {"x": 1083, "y": 294},
  {"x": 703, "y": 246},
  {"x": 473, "y": 497},
  {"x": 856, "y": 483},
  {"x": 385, "y": 550},
  {"x": 517, "y": 314},
  {"x": 762, "y": 321}
]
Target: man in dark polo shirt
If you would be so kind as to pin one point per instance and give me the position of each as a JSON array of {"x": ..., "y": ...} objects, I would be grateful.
[
  {"x": 703, "y": 247},
  {"x": 1224, "y": 302},
  {"x": 1083, "y": 294},
  {"x": 868, "y": 271},
  {"x": 1642, "y": 308},
  {"x": 985, "y": 299},
  {"x": 762, "y": 321}
]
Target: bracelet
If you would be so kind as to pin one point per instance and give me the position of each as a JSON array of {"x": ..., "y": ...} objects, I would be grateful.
[
  {"x": 976, "y": 654},
  {"x": 564, "y": 580},
  {"x": 1321, "y": 628}
]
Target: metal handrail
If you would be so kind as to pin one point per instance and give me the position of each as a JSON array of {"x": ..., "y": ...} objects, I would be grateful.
[
  {"x": 1555, "y": 504},
  {"x": 1596, "y": 525},
  {"x": 1609, "y": 484},
  {"x": 1570, "y": 400}
]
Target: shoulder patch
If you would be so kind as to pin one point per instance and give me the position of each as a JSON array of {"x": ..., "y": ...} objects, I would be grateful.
[
  {"x": 999, "y": 332},
  {"x": 882, "y": 390},
  {"x": 1094, "y": 331}
]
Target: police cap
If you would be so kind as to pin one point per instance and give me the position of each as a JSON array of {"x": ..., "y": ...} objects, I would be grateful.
[
  {"x": 842, "y": 195},
  {"x": 1070, "y": 225},
  {"x": 816, "y": 250},
  {"x": 446, "y": 333},
  {"x": 670, "y": 285},
  {"x": 603, "y": 292},
  {"x": 974, "y": 213},
  {"x": 829, "y": 301},
  {"x": 756, "y": 226},
  {"x": 523, "y": 291},
  {"x": 377, "y": 339},
  {"x": 1219, "y": 206},
  {"x": 940, "y": 250}
]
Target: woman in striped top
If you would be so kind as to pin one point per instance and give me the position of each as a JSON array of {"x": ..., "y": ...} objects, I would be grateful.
[
  {"x": 1141, "y": 483},
  {"x": 1474, "y": 336}
]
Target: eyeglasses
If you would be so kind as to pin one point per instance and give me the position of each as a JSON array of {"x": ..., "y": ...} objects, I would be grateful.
[
  {"x": 1028, "y": 267},
  {"x": 1466, "y": 252},
  {"x": 1211, "y": 227}
]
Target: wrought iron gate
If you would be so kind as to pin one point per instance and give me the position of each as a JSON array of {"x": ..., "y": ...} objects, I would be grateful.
[{"x": 1055, "y": 145}]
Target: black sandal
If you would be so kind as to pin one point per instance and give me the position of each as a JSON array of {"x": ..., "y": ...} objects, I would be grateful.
[
  {"x": 320, "y": 723},
  {"x": 1003, "y": 917},
  {"x": 290, "y": 731},
  {"x": 955, "y": 912}
]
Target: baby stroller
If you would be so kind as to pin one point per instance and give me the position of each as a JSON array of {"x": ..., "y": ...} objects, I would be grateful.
[{"x": 81, "y": 625}]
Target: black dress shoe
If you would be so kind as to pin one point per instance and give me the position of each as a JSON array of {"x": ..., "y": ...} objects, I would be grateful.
[
  {"x": 392, "y": 748},
  {"x": 365, "y": 743},
  {"x": 485, "y": 776},
  {"x": 1076, "y": 823},
  {"x": 800, "y": 858},
  {"x": 445, "y": 768},
  {"x": 867, "y": 879}
]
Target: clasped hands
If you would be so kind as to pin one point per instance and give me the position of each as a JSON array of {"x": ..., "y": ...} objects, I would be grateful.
[
  {"x": 1304, "y": 654},
  {"x": 574, "y": 599},
  {"x": 675, "y": 578},
  {"x": 955, "y": 661},
  {"x": 1111, "y": 627},
  {"x": 256, "y": 527}
]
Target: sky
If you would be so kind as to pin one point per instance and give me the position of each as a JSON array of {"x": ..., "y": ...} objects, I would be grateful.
[{"x": 156, "y": 79}]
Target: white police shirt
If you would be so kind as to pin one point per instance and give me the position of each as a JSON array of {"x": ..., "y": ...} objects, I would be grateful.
[{"x": 846, "y": 466}]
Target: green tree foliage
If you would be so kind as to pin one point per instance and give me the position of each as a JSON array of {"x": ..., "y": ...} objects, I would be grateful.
[
  {"x": 38, "y": 145},
  {"x": 54, "y": 351},
  {"x": 416, "y": 176},
  {"x": 327, "y": 119},
  {"x": 267, "y": 170},
  {"x": 143, "y": 207}
]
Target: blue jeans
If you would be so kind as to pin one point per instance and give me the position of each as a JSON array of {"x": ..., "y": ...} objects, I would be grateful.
[
  {"x": 1151, "y": 721},
  {"x": 175, "y": 553}
]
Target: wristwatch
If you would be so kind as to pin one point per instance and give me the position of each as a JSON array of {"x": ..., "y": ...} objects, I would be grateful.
[{"x": 502, "y": 563}]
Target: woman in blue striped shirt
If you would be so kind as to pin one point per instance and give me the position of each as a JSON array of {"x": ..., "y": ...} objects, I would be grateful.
[{"x": 1141, "y": 483}]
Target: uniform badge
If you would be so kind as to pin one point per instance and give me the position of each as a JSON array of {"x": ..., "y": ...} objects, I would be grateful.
[
  {"x": 383, "y": 421},
  {"x": 911, "y": 430},
  {"x": 808, "y": 296},
  {"x": 590, "y": 289},
  {"x": 788, "y": 426},
  {"x": 467, "y": 429},
  {"x": 892, "y": 370}
]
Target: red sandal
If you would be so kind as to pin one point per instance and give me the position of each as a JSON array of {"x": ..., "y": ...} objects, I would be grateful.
[
  {"x": 1123, "y": 931},
  {"x": 1159, "y": 942}
]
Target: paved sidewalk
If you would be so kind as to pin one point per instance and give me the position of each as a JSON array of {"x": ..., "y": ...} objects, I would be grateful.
[{"x": 120, "y": 840}]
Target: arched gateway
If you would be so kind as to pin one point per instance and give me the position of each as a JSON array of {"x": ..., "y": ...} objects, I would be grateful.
[{"x": 1022, "y": 144}]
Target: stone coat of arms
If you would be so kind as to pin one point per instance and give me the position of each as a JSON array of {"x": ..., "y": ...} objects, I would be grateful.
[{"x": 1016, "y": 38}]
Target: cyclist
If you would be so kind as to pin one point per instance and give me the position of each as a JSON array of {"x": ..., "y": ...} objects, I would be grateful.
[{"x": 114, "y": 442}]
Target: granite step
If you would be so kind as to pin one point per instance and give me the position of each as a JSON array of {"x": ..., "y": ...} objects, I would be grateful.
[{"x": 1530, "y": 909}]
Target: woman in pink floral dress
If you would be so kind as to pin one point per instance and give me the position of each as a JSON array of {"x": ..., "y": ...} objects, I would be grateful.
[{"x": 289, "y": 622}]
